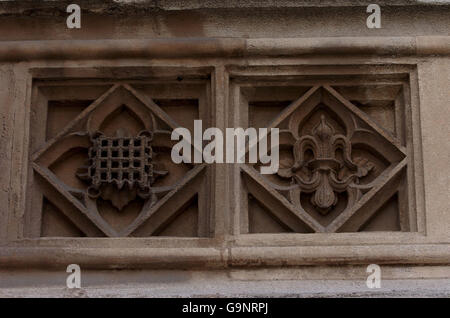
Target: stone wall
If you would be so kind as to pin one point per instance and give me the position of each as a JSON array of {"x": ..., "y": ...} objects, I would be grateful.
[{"x": 87, "y": 176}]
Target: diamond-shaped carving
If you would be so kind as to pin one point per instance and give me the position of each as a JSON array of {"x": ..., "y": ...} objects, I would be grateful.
[
  {"x": 120, "y": 139},
  {"x": 335, "y": 160}
]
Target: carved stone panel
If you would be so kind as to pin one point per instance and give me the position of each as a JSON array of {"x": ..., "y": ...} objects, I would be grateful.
[
  {"x": 100, "y": 160},
  {"x": 345, "y": 163}
]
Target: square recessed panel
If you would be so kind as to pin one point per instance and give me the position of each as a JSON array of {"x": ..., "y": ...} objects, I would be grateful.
[
  {"x": 100, "y": 160},
  {"x": 346, "y": 160}
]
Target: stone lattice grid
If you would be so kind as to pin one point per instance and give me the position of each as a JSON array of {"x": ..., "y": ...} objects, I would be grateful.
[{"x": 121, "y": 160}]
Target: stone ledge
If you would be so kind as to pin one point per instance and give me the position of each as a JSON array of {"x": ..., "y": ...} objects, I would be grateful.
[
  {"x": 222, "y": 47},
  {"x": 224, "y": 287},
  {"x": 140, "y": 7},
  {"x": 210, "y": 257}
]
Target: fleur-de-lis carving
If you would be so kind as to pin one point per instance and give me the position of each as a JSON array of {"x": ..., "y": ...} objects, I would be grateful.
[{"x": 324, "y": 167}]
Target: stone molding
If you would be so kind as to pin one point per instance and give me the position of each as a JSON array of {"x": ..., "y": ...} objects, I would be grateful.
[
  {"x": 140, "y": 6},
  {"x": 222, "y": 47},
  {"x": 216, "y": 257}
]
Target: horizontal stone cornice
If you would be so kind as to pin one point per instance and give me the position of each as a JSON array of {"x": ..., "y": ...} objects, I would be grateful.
[{"x": 221, "y": 47}]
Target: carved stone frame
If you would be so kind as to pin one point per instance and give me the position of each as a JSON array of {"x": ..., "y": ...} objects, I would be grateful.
[
  {"x": 323, "y": 78},
  {"x": 286, "y": 246},
  {"x": 226, "y": 246},
  {"x": 86, "y": 216}
]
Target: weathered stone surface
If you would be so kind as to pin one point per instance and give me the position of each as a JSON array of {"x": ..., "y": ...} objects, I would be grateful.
[{"x": 364, "y": 178}]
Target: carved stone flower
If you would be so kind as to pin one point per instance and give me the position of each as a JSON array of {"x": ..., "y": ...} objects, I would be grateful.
[{"x": 321, "y": 173}]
